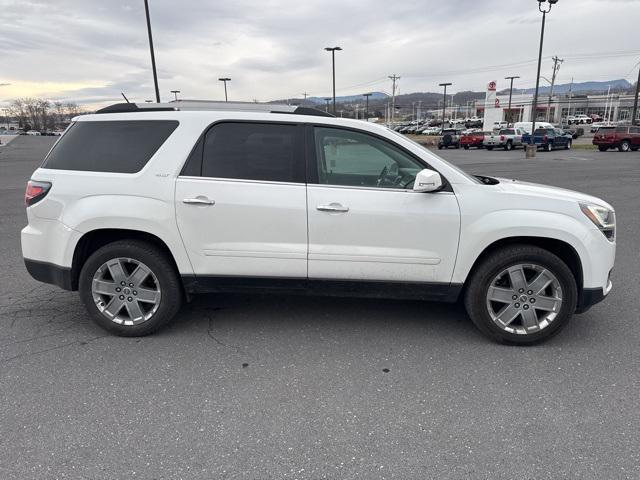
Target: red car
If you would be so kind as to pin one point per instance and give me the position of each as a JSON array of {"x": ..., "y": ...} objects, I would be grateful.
[
  {"x": 474, "y": 139},
  {"x": 623, "y": 138}
]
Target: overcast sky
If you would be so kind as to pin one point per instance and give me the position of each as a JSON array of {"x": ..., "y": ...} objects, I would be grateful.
[{"x": 90, "y": 50}]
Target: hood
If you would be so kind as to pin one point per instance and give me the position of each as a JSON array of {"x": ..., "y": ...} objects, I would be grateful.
[{"x": 546, "y": 191}]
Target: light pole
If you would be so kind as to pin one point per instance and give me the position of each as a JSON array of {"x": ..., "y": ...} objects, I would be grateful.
[
  {"x": 153, "y": 56},
  {"x": 333, "y": 69},
  {"x": 366, "y": 108},
  {"x": 225, "y": 80},
  {"x": 635, "y": 100},
  {"x": 326, "y": 108},
  {"x": 175, "y": 92},
  {"x": 444, "y": 103},
  {"x": 531, "y": 148},
  {"x": 509, "y": 115}
]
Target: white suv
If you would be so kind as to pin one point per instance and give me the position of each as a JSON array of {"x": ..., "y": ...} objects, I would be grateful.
[{"x": 139, "y": 207}]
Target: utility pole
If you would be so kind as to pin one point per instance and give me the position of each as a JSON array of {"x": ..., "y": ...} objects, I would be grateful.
[
  {"x": 393, "y": 78},
  {"x": 419, "y": 109},
  {"x": 556, "y": 67},
  {"x": 509, "y": 114},
  {"x": 153, "y": 56},
  {"x": 326, "y": 108},
  {"x": 225, "y": 80},
  {"x": 175, "y": 92},
  {"x": 305, "y": 95},
  {"x": 635, "y": 101},
  {"x": 366, "y": 109}
]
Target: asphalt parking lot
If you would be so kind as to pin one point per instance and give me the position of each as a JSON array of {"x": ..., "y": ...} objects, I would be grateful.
[{"x": 279, "y": 387}]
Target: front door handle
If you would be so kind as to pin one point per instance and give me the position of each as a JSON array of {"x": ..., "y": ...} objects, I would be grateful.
[
  {"x": 198, "y": 201},
  {"x": 332, "y": 207}
]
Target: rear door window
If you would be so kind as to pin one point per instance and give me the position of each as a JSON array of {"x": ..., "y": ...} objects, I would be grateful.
[
  {"x": 255, "y": 151},
  {"x": 109, "y": 146}
]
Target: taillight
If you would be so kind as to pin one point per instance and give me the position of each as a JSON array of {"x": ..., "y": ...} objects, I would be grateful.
[
  {"x": 502, "y": 138},
  {"x": 545, "y": 138},
  {"x": 35, "y": 192}
]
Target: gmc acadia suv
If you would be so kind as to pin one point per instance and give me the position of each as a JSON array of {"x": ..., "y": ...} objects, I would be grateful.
[{"x": 140, "y": 207}]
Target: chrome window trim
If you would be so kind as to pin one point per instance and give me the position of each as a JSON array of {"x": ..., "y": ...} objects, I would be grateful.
[{"x": 238, "y": 180}]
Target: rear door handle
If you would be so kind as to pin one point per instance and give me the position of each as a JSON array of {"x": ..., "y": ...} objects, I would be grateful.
[
  {"x": 332, "y": 207},
  {"x": 198, "y": 201}
]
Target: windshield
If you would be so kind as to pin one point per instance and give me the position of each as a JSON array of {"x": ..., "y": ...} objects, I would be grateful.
[{"x": 450, "y": 165}]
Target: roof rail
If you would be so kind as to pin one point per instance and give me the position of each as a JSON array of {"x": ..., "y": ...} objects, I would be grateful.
[
  {"x": 207, "y": 105},
  {"x": 130, "y": 107}
]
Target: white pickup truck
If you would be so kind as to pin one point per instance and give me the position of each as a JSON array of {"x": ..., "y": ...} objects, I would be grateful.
[{"x": 507, "y": 138}]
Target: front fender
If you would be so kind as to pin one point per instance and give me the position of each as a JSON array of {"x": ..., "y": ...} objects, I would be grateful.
[{"x": 480, "y": 233}]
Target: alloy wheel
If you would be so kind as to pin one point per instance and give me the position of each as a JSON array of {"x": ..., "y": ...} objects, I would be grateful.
[
  {"x": 126, "y": 291},
  {"x": 524, "y": 299}
]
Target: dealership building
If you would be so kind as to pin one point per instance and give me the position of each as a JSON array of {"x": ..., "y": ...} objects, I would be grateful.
[{"x": 616, "y": 107}]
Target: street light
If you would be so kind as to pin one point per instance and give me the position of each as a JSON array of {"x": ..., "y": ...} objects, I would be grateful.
[
  {"x": 225, "y": 80},
  {"x": 444, "y": 103},
  {"x": 175, "y": 92},
  {"x": 326, "y": 108},
  {"x": 366, "y": 110},
  {"x": 153, "y": 57},
  {"x": 531, "y": 148},
  {"x": 333, "y": 68},
  {"x": 509, "y": 115}
]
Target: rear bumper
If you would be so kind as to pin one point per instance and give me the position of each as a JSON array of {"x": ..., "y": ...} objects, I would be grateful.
[{"x": 49, "y": 273}]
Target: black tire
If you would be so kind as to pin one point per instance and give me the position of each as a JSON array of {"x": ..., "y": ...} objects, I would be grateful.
[
  {"x": 466, "y": 147},
  {"x": 548, "y": 147},
  {"x": 439, "y": 147},
  {"x": 508, "y": 146},
  {"x": 168, "y": 282},
  {"x": 568, "y": 145},
  {"x": 489, "y": 148},
  {"x": 602, "y": 148},
  {"x": 479, "y": 281},
  {"x": 624, "y": 146}
]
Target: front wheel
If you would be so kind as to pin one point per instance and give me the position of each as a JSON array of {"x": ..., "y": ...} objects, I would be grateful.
[
  {"x": 489, "y": 148},
  {"x": 548, "y": 147},
  {"x": 466, "y": 147},
  {"x": 521, "y": 295},
  {"x": 130, "y": 288},
  {"x": 568, "y": 145},
  {"x": 602, "y": 148},
  {"x": 508, "y": 146},
  {"x": 625, "y": 146}
]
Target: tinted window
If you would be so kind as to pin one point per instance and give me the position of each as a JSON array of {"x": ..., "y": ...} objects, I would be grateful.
[
  {"x": 621, "y": 129},
  {"x": 507, "y": 132},
  {"x": 114, "y": 146},
  {"x": 356, "y": 159},
  {"x": 254, "y": 151}
]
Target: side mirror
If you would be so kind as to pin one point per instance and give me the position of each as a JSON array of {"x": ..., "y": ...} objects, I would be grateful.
[{"x": 427, "y": 181}]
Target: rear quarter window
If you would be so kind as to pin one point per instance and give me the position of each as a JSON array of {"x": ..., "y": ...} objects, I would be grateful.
[{"x": 109, "y": 146}]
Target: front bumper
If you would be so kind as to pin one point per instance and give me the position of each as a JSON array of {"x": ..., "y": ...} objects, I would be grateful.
[{"x": 591, "y": 296}]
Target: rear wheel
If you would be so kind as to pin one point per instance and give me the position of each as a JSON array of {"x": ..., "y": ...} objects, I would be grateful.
[
  {"x": 466, "y": 147},
  {"x": 568, "y": 145},
  {"x": 602, "y": 148},
  {"x": 521, "y": 294},
  {"x": 489, "y": 148},
  {"x": 509, "y": 146},
  {"x": 548, "y": 147},
  {"x": 130, "y": 288},
  {"x": 625, "y": 146}
]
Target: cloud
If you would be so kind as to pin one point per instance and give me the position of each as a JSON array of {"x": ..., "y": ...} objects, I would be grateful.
[{"x": 90, "y": 50}]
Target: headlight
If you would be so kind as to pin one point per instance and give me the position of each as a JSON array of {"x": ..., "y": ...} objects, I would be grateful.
[{"x": 602, "y": 217}]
